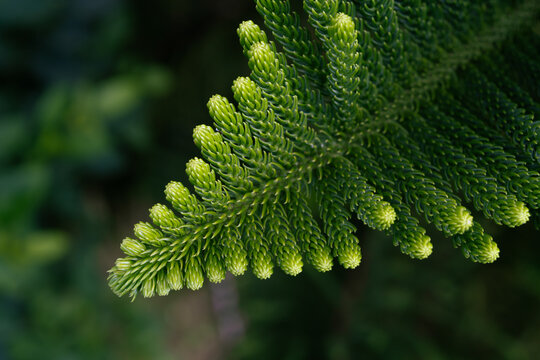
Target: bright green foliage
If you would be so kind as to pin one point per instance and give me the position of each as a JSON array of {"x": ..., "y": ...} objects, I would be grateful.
[{"x": 384, "y": 109}]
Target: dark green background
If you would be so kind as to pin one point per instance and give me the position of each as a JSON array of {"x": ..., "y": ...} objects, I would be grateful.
[{"x": 98, "y": 99}]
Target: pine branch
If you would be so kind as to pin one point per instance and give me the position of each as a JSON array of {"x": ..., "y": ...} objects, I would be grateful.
[{"x": 366, "y": 119}]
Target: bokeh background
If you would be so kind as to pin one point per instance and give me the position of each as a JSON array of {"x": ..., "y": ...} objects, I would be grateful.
[{"x": 98, "y": 99}]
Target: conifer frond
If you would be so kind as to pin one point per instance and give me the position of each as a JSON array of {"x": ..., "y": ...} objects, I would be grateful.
[{"x": 383, "y": 110}]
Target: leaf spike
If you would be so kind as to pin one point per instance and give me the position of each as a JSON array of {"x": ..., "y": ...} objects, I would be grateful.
[
  {"x": 310, "y": 238},
  {"x": 132, "y": 247},
  {"x": 148, "y": 234},
  {"x": 123, "y": 264},
  {"x": 284, "y": 244},
  {"x": 184, "y": 202},
  {"x": 205, "y": 183},
  {"x": 343, "y": 68},
  {"x": 412, "y": 238},
  {"x": 175, "y": 278},
  {"x": 221, "y": 158},
  {"x": 193, "y": 274},
  {"x": 344, "y": 244},
  {"x": 204, "y": 180},
  {"x": 261, "y": 120},
  {"x": 268, "y": 74},
  {"x": 238, "y": 134},
  {"x": 162, "y": 285},
  {"x": 215, "y": 270},
  {"x": 234, "y": 253},
  {"x": 148, "y": 287},
  {"x": 477, "y": 245},
  {"x": 363, "y": 199},
  {"x": 165, "y": 218},
  {"x": 258, "y": 248},
  {"x": 249, "y": 34},
  {"x": 518, "y": 215}
]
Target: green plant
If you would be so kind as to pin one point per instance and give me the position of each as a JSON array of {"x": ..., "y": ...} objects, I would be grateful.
[{"x": 393, "y": 111}]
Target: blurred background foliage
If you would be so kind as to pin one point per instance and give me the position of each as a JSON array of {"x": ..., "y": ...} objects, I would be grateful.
[{"x": 98, "y": 99}]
